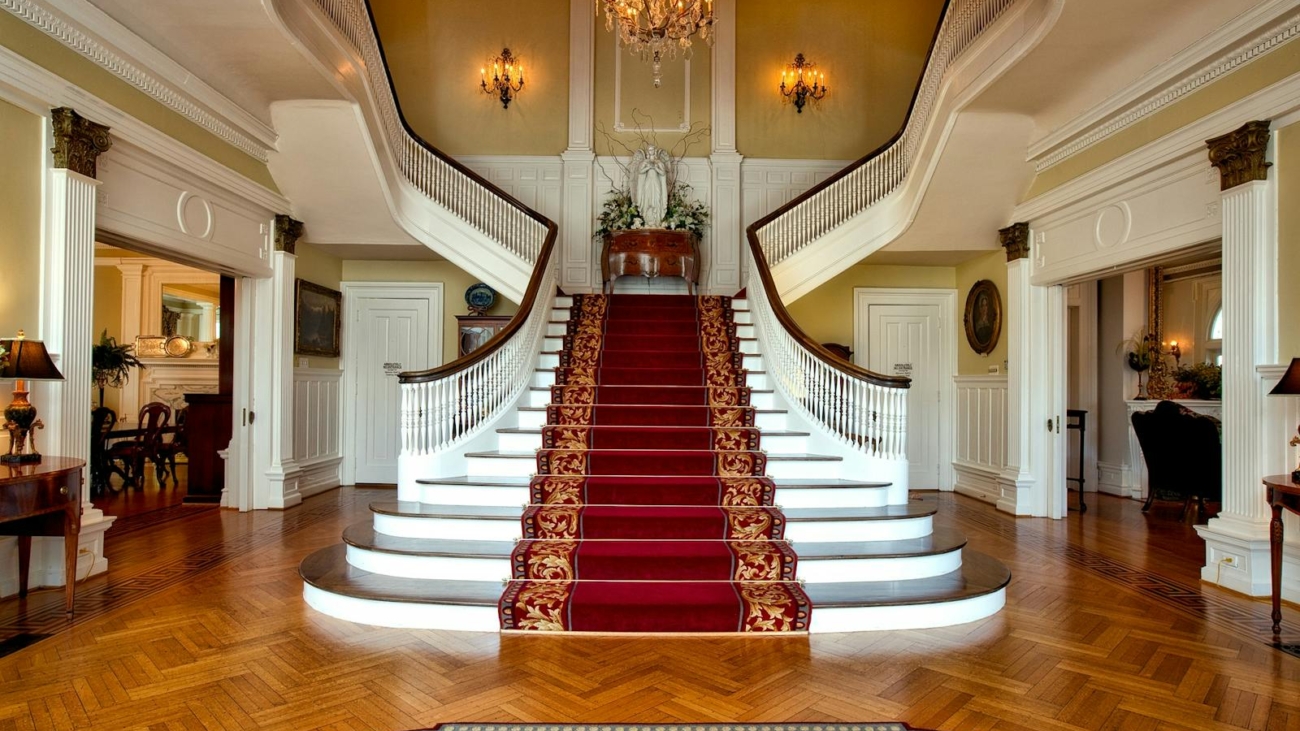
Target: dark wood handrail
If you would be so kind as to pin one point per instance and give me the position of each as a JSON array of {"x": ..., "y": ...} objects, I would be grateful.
[{"x": 539, "y": 267}]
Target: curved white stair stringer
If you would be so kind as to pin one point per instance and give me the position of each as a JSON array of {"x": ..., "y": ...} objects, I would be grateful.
[
  {"x": 423, "y": 218},
  {"x": 1020, "y": 29}
]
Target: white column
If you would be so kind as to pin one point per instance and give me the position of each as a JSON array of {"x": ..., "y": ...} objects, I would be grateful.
[
  {"x": 67, "y": 307},
  {"x": 1236, "y": 541},
  {"x": 725, "y": 235},
  {"x": 576, "y": 221},
  {"x": 132, "y": 308},
  {"x": 1016, "y": 480},
  {"x": 208, "y": 322},
  {"x": 1135, "y": 321},
  {"x": 275, "y": 410}
]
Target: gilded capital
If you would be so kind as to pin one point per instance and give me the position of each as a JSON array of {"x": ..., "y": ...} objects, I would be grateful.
[
  {"x": 287, "y": 232},
  {"x": 1015, "y": 239},
  {"x": 1239, "y": 155},
  {"x": 78, "y": 142}
]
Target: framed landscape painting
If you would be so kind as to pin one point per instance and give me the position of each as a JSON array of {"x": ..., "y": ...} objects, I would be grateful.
[{"x": 317, "y": 320}]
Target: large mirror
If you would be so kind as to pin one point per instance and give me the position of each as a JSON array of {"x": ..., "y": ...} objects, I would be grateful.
[
  {"x": 1185, "y": 306},
  {"x": 191, "y": 311}
]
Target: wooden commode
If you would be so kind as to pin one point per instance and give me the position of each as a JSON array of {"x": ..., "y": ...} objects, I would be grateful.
[
  {"x": 651, "y": 252},
  {"x": 43, "y": 499}
]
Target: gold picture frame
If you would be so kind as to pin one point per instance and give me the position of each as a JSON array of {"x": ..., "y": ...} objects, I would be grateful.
[
  {"x": 983, "y": 318},
  {"x": 317, "y": 320}
]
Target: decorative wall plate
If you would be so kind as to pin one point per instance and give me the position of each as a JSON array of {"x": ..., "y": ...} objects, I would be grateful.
[
  {"x": 178, "y": 346},
  {"x": 480, "y": 298},
  {"x": 151, "y": 346}
]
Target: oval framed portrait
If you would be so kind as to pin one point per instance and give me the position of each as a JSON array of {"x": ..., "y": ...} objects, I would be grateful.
[{"x": 983, "y": 317}]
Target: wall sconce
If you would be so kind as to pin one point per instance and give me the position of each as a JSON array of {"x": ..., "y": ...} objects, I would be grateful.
[
  {"x": 507, "y": 77},
  {"x": 801, "y": 81},
  {"x": 1177, "y": 352}
]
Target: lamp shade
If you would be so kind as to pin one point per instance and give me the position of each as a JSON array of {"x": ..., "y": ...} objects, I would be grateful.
[
  {"x": 28, "y": 361},
  {"x": 1290, "y": 383}
]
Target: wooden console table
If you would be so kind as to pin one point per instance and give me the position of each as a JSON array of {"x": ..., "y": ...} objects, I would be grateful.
[
  {"x": 651, "y": 252},
  {"x": 43, "y": 499},
  {"x": 1282, "y": 493}
]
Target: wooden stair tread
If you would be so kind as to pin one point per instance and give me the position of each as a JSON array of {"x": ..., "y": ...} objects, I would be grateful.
[
  {"x": 407, "y": 509},
  {"x": 942, "y": 540},
  {"x": 798, "y": 483},
  {"x": 979, "y": 575},
  {"x": 771, "y": 457},
  {"x": 328, "y": 570},
  {"x": 764, "y": 432},
  {"x": 913, "y": 509},
  {"x": 648, "y": 385},
  {"x": 364, "y": 535},
  {"x": 661, "y": 406}
]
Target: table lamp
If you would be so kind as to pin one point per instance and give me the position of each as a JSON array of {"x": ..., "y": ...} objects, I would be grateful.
[
  {"x": 27, "y": 361},
  {"x": 1290, "y": 386}
]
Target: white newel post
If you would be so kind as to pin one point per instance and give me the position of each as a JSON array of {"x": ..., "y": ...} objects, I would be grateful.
[
  {"x": 283, "y": 473},
  {"x": 68, "y": 295},
  {"x": 1016, "y": 480},
  {"x": 725, "y": 235},
  {"x": 1236, "y": 541},
  {"x": 578, "y": 216}
]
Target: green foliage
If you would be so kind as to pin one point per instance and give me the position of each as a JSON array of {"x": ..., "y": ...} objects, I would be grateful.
[
  {"x": 1140, "y": 349},
  {"x": 111, "y": 363},
  {"x": 683, "y": 214},
  {"x": 1200, "y": 381}
]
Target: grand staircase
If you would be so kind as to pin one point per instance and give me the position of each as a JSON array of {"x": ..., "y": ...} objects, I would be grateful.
[{"x": 652, "y": 482}]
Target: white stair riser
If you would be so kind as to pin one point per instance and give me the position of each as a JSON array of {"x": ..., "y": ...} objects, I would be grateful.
[
  {"x": 452, "y": 529},
  {"x": 474, "y": 495},
  {"x": 556, "y": 329},
  {"x": 743, "y": 316},
  {"x": 749, "y": 346},
  {"x": 753, "y": 361},
  {"x": 561, "y": 314},
  {"x": 401, "y": 614},
  {"x": 500, "y": 466},
  {"x": 535, "y": 419},
  {"x": 564, "y": 302},
  {"x": 512, "y": 442},
  {"x": 744, "y": 330},
  {"x": 829, "y": 531},
  {"x": 758, "y": 400},
  {"x": 795, "y": 468},
  {"x": 543, "y": 379},
  {"x": 912, "y": 616},
  {"x": 825, "y": 571},
  {"x": 442, "y": 568}
]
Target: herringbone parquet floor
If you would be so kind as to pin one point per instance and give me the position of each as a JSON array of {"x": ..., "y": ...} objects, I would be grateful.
[{"x": 201, "y": 625}]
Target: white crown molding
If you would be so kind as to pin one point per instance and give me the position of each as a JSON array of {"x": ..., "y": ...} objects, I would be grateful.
[
  {"x": 37, "y": 89},
  {"x": 1249, "y": 36},
  {"x": 115, "y": 48}
]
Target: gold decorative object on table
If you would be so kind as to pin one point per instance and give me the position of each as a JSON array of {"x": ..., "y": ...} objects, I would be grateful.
[
  {"x": 1290, "y": 386},
  {"x": 27, "y": 360}
]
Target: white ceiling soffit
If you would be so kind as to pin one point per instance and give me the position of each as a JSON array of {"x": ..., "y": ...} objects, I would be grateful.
[
  {"x": 1253, "y": 34},
  {"x": 126, "y": 55},
  {"x": 338, "y": 195},
  {"x": 380, "y": 252}
]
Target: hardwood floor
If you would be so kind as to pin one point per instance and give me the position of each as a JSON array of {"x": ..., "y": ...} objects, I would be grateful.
[{"x": 201, "y": 625}]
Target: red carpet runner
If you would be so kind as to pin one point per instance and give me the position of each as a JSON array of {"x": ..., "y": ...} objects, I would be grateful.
[{"x": 650, "y": 511}]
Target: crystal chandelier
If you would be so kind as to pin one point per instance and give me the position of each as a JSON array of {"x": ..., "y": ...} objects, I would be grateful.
[{"x": 655, "y": 29}]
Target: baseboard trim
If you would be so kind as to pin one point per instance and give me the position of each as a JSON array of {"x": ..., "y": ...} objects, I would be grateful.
[{"x": 320, "y": 476}]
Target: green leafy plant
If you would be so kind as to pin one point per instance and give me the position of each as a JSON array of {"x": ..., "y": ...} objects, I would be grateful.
[
  {"x": 1200, "y": 381},
  {"x": 111, "y": 364},
  {"x": 683, "y": 214},
  {"x": 1140, "y": 350}
]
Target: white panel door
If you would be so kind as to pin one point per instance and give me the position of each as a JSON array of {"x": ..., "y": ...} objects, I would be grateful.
[
  {"x": 392, "y": 336},
  {"x": 904, "y": 340}
]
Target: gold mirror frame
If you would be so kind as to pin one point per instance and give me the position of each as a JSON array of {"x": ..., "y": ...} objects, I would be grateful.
[{"x": 1160, "y": 383}]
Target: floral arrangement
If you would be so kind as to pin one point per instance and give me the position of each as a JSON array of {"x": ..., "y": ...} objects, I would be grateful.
[
  {"x": 683, "y": 214},
  {"x": 1199, "y": 381}
]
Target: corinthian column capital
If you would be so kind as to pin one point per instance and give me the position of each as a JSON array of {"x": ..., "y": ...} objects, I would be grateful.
[
  {"x": 1239, "y": 155},
  {"x": 78, "y": 142}
]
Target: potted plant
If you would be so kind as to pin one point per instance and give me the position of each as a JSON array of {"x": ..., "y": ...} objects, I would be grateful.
[
  {"x": 1200, "y": 381},
  {"x": 1140, "y": 351},
  {"x": 111, "y": 364}
]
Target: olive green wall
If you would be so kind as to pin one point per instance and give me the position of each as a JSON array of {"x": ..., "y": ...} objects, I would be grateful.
[
  {"x": 993, "y": 267},
  {"x": 454, "y": 283},
  {"x": 1288, "y": 244},
  {"x": 317, "y": 267},
  {"x": 826, "y": 313},
  {"x": 48, "y": 53},
  {"x": 435, "y": 49},
  {"x": 22, "y": 163},
  {"x": 871, "y": 52},
  {"x": 1239, "y": 84},
  {"x": 107, "y": 316}
]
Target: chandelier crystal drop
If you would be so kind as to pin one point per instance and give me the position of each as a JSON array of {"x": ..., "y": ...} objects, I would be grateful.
[{"x": 656, "y": 29}]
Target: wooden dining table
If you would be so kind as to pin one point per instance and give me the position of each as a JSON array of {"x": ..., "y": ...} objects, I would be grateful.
[{"x": 99, "y": 468}]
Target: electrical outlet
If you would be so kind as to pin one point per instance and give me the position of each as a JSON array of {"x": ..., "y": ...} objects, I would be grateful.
[
  {"x": 83, "y": 552},
  {"x": 1229, "y": 560}
]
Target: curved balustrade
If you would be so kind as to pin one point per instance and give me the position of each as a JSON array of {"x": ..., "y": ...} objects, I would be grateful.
[
  {"x": 444, "y": 406},
  {"x": 854, "y": 189}
]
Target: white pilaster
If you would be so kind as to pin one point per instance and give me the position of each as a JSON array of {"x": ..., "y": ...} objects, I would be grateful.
[
  {"x": 725, "y": 236},
  {"x": 132, "y": 327},
  {"x": 577, "y": 220},
  {"x": 282, "y": 473},
  {"x": 208, "y": 322},
  {"x": 1016, "y": 481},
  {"x": 1236, "y": 541}
]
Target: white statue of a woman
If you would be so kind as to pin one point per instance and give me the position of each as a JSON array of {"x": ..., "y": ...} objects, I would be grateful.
[{"x": 650, "y": 184}]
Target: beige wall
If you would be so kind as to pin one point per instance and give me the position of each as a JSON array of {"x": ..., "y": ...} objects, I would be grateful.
[
  {"x": 107, "y": 316},
  {"x": 454, "y": 283},
  {"x": 317, "y": 267},
  {"x": 826, "y": 313},
  {"x": 435, "y": 49},
  {"x": 22, "y": 161},
  {"x": 48, "y": 53},
  {"x": 871, "y": 52},
  {"x": 993, "y": 267},
  {"x": 1239, "y": 84},
  {"x": 665, "y": 105},
  {"x": 1288, "y": 244}
]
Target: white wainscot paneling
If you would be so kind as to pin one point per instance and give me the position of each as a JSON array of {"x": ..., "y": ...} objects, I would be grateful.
[
  {"x": 316, "y": 428},
  {"x": 981, "y": 451},
  {"x": 171, "y": 212},
  {"x": 1128, "y": 223},
  {"x": 766, "y": 185},
  {"x": 536, "y": 181}
]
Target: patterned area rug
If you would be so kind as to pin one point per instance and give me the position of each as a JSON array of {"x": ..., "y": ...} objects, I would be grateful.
[{"x": 651, "y": 511}]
